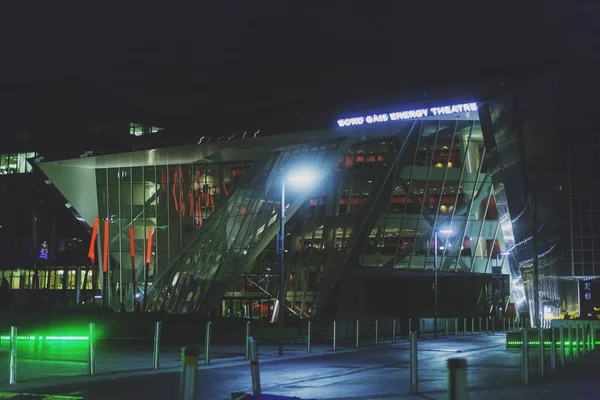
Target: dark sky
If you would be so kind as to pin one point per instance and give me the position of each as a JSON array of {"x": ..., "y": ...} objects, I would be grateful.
[{"x": 179, "y": 64}]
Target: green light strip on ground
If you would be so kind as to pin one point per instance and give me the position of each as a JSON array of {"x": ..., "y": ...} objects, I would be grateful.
[
  {"x": 48, "y": 338},
  {"x": 536, "y": 342}
]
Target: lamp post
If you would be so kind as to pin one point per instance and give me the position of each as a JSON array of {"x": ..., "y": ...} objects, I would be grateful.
[
  {"x": 303, "y": 177},
  {"x": 435, "y": 277}
]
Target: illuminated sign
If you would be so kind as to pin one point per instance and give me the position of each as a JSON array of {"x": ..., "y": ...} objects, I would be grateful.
[{"x": 411, "y": 114}]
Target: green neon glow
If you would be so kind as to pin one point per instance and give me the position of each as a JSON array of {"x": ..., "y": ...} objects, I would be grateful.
[
  {"x": 48, "y": 338},
  {"x": 548, "y": 343}
]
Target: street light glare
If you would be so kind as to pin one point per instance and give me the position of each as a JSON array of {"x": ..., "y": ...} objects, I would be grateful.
[
  {"x": 446, "y": 231},
  {"x": 302, "y": 177}
]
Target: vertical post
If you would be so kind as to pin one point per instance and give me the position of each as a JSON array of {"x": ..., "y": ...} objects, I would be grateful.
[
  {"x": 357, "y": 332},
  {"x": 91, "y": 342},
  {"x": 561, "y": 336},
  {"x": 187, "y": 379},
  {"x": 156, "y": 352},
  {"x": 254, "y": 367},
  {"x": 247, "y": 346},
  {"x": 409, "y": 327},
  {"x": 487, "y": 325},
  {"x": 571, "y": 337},
  {"x": 207, "y": 344},
  {"x": 472, "y": 326},
  {"x": 504, "y": 324},
  {"x": 446, "y": 326},
  {"x": 455, "y": 326},
  {"x": 77, "y": 286},
  {"x": 576, "y": 342},
  {"x": 334, "y": 334},
  {"x": 281, "y": 272},
  {"x": 457, "y": 379},
  {"x": 479, "y": 331},
  {"x": 12, "y": 373},
  {"x": 583, "y": 338},
  {"x": 541, "y": 348},
  {"x": 414, "y": 361},
  {"x": 394, "y": 331},
  {"x": 552, "y": 350},
  {"x": 376, "y": 332},
  {"x": 435, "y": 282},
  {"x": 465, "y": 326},
  {"x": 308, "y": 337},
  {"x": 525, "y": 358},
  {"x": 593, "y": 334}
]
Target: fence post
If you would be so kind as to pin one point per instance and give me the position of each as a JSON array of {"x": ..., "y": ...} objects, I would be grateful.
[
  {"x": 457, "y": 379},
  {"x": 479, "y": 331},
  {"x": 472, "y": 326},
  {"x": 465, "y": 326},
  {"x": 156, "y": 352},
  {"x": 334, "y": 334},
  {"x": 12, "y": 373},
  {"x": 552, "y": 350},
  {"x": 541, "y": 349},
  {"x": 446, "y": 319},
  {"x": 376, "y": 332},
  {"x": 576, "y": 342},
  {"x": 487, "y": 325},
  {"x": 455, "y": 326},
  {"x": 357, "y": 332},
  {"x": 414, "y": 361},
  {"x": 254, "y": 367},
  {"x": 187, "y": 380},
  {"x": 561, "y": 336},
  {"x": 394, "y": 331},
  {"x": 308, "y": 337},
  {"x": 91, "y": 342},
  {"x": 247, "y": 347},
  {"x": 525, "y": 358},
  {"x": 207, "y": 344}
]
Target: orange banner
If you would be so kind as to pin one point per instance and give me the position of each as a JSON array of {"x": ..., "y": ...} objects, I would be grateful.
[
  {"x": 149, "y": 246},
  {"x": 131, "y": 241},
  {"x": 92, "y": 250},
  {"x": 105, "y": 255}
]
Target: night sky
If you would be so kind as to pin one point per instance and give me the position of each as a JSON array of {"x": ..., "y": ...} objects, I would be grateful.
[{"x": 243, "y": 66}]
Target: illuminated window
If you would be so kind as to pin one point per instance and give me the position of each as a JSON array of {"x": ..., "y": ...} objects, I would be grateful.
[
  {"x": 140, "y": 130},
  {"x": 15, "y": 163}
]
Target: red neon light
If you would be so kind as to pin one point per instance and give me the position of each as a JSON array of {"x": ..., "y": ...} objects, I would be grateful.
[
  {"x": 149, "y": 246},
  {"x": 131, "y": 241},
  {"x": 105, "y": 255},
  {"x": 92, "y": 251}
]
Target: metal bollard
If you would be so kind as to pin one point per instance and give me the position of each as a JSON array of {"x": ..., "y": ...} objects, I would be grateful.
[
  {"x": 455, "y": 326},
  {"x": 254, "y": 367},
  {"x": 308, "y": 338},
  {"x": 414, "y": 363},
  {"x": 12, "y": 372},
  {"x": 393, "y": 331},
  {"x": 552, "y": 350},
  {"x": 479, "y": 331},
  {"x": 376, "y": 332},
  {"x": 504, "y": 324},
  {"x": 593, "y": 335},
  {"x": 247, "y": 347},
  {"x": 91, "y": 341},
  {"x": 357, "y": 332},
  {"x": 156, "y": 352},
  {"x": 487, "y": 325},
  {"x": 207, "y": 344},
  {"x": 409, "y": 327},
  {"x": 473, "y": 326},
  {"x": 457, "y": 379},
  {"x": 541, "y": 349},
  {"x": 561, "y": 336},
  {"x": 464, "y": 327},
  {"x": 525, "y": 358},
  {"x": 187, "y": 379},
  {"x": 571, "y": 349},
  {"x": 334, "y": 334}
]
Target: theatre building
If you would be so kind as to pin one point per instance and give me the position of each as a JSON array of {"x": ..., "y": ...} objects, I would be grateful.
[{"x": 194, "y": 229}]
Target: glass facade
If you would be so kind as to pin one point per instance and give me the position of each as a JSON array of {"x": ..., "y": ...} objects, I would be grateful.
[
  {"x": 15, "y": 163},
  {"x": 384, "y": 190}
]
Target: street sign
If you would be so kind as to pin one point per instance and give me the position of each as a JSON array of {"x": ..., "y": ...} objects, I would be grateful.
[{"x": 497, "y": 273}]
